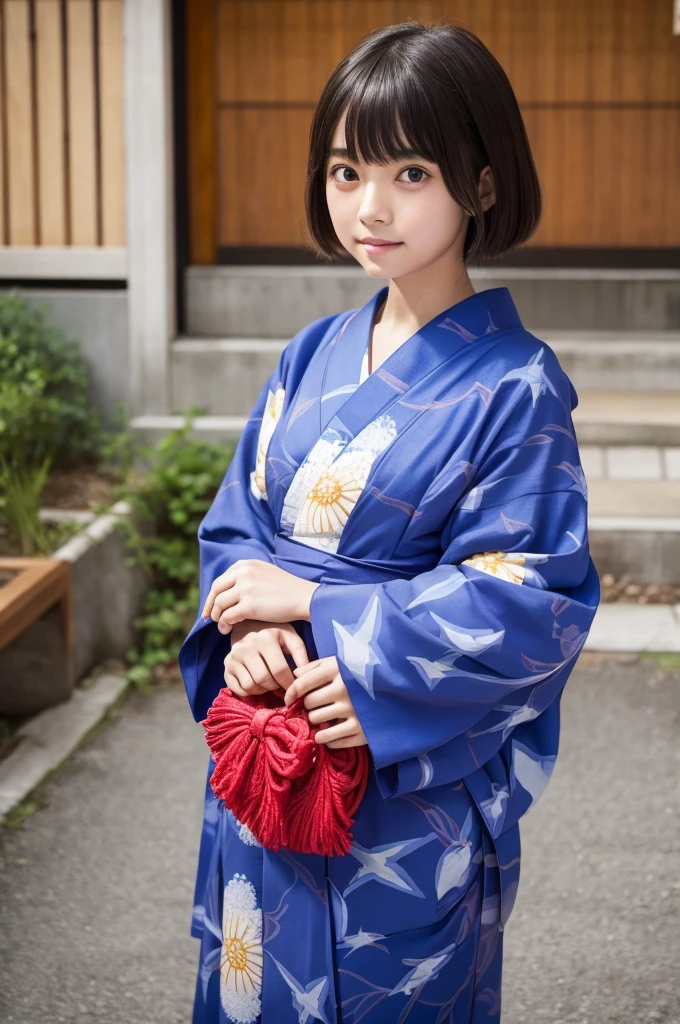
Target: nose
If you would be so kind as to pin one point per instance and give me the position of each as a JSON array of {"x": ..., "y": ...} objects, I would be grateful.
[{"x": 374, "y": 207}]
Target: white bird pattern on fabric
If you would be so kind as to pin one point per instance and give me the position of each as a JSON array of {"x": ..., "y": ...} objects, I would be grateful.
[
  {"x": 493, "y": 808},
  {"x": 534, "y": 375},
  {"x": 380, "y": 864},
  {"x": 532, "y": 773},
  {"x": 515, "y": 716},
  {"x": 307, "y": 1001},
  {"x": 358, "y": 650},
  {"x": 469, "y": 641},
  {"x": 423, "y": 970},
  {"x": 427, "y": 770},
  {"x": 434, "y": 671},
  {"x": 443, "y": 588},
  {"x": 454, "y": 864},
  {"x": 351, "y": 942}
]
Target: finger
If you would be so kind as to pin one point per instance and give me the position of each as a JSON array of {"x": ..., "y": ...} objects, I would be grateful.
[
  {"x": 310, "y": 681},
  {"x": 233, "y": 684},
  {"x": 323, "y": 672},
  {"x": 260, "y": 673},
  {"x": 303, "y": 669},
  {"x": 326, "y": 713},
  {"x": 223, "y": 624},
  {"x": 349, "y": 741},
  {"x": 336, "y": 732},
  {"x": 224, "y": 600},
  {"x": 218, "y": 586},
  {"x": 295, "y": 646},
  {"x": 331, "y": 693},
  {"x": 245, "y": 680},
  {"x": 275, "y": 661}
]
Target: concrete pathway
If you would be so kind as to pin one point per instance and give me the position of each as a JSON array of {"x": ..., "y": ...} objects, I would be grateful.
[{"x": 96, "y": 887}]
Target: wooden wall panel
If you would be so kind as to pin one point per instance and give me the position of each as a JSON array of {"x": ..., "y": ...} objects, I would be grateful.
[
  {"x": 62, "y": 152},
  {"x": 81, "y": 118},
  {"x": 587, "y": 200},
  {"x": 598, "y": 84},
  {"x": 111, "y": 119},
  {"x": 20, "y": 139},
  {"x": 263, "y": 175},
  {"x": 51, "y": 127}
]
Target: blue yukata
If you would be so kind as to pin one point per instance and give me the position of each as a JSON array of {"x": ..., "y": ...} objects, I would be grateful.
[{"x": 440, "y": 503}]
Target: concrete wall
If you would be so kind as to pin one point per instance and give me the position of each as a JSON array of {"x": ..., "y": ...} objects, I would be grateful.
[
  {"x": 275, "y": 302},
  {"x": 98, "y": 319}
]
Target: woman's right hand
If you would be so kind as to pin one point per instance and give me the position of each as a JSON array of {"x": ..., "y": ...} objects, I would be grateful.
[{"x": 256, "y": 661}]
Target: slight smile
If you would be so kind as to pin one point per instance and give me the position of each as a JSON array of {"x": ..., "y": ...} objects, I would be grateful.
[{"x": 376, "y": 246}]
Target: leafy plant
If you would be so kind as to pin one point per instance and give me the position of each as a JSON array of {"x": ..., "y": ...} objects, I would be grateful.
[
  {"x": 21, "y": 488},
  {"x": 170, "y": 502},
  {"x": 45, "y": 412}
]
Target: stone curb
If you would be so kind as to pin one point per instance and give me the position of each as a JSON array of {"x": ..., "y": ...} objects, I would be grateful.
[
  {"x": 636, "y": 628},
  {"x": 50, "y": 737}
]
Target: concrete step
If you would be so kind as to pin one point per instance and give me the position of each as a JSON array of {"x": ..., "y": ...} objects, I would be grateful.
[
  {"x": 628, "y": 417},
  {"x": 223, "y": 376},
  {"x": 618, "y": 360},
  {"x": 271, "y": 302}
]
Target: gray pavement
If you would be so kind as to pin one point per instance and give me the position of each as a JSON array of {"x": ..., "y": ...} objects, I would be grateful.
[{"x": 95, "y": 888}]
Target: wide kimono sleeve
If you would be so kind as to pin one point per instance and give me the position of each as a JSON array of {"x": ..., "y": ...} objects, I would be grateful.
[
  {"x": 239, "y": 524},
  {"x": 446, "y": 669}
]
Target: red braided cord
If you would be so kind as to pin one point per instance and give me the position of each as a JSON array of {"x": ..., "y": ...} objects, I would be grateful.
[{"x": 288, "y": 790}]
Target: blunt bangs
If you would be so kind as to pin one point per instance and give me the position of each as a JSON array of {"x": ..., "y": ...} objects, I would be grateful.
[{"x": 437, "y": 93}]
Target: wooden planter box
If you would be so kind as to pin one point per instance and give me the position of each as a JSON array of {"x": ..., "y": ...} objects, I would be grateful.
[
  {"x": 36, "y": 661},
  {"x": 59, "y": 616}
]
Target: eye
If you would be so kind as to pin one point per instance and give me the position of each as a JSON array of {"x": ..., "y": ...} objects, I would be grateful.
[
  {"x": 346, "y": 175},
  {"x": 415, "y": 175}
]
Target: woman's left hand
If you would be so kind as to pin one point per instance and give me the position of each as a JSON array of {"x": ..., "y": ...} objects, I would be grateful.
[
  {"x": 326, "y": 699},
  {"x": 252, "y": 589}
]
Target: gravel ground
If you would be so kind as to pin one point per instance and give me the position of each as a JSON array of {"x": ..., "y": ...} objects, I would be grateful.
[{"x": 96, "y": 887}]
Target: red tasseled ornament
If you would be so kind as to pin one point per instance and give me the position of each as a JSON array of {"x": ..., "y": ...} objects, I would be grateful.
[{"x": 288, "y": 790}]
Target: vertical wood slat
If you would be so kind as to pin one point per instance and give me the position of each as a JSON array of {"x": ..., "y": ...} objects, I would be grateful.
[
  {"x": 21, "y": 150},
  {"x": 111, "y": 119},
  {"x": 203, "y": 160},
  {"x": 51, "y": 127},
  {"x": 82, "y": 134}
]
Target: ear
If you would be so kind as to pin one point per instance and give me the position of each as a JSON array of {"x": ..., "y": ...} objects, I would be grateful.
[{"x": 486, "y": 189}]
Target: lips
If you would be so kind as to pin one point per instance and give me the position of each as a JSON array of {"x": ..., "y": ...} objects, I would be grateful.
[
  {"x": 379, "y": 246},
  {"x": 378, "y": 241}
]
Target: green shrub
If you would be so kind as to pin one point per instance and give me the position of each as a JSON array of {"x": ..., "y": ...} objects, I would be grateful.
[
  {"x": 173, "y": 496},
  {"x": 45, "y": 413}
]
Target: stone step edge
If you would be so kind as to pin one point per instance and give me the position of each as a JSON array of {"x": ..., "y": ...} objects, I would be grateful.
[
  {"x": 590, "y": 433},
  {"x": 481, "y": 273},
  {"x": 581, "y": 342},
  {"x": 47, "y": 739},
  {"x": 219, "y": 421}
]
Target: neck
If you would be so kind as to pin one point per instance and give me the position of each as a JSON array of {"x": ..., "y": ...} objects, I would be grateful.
[{"x": 413, "y": 300}]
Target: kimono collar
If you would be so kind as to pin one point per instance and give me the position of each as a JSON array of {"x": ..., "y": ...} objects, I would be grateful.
[{"x": 478, "y": 316}]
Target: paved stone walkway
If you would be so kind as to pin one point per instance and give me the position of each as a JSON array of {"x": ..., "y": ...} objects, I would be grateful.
[{"x": 95, "y": 888}]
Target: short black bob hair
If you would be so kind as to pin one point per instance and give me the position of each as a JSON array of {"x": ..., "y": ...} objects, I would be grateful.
[{"x": 456, "y": 108}]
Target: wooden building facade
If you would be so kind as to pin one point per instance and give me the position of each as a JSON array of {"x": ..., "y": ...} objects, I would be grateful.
[
  {"x": 143, "y": 140},
  {"x": 597, "y": 81}
]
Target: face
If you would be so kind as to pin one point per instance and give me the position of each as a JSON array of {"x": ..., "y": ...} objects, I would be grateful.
[{"x": 397, "y": 218}]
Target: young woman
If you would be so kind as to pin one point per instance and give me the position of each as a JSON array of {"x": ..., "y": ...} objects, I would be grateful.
[{"x": 404, "y": 520}]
